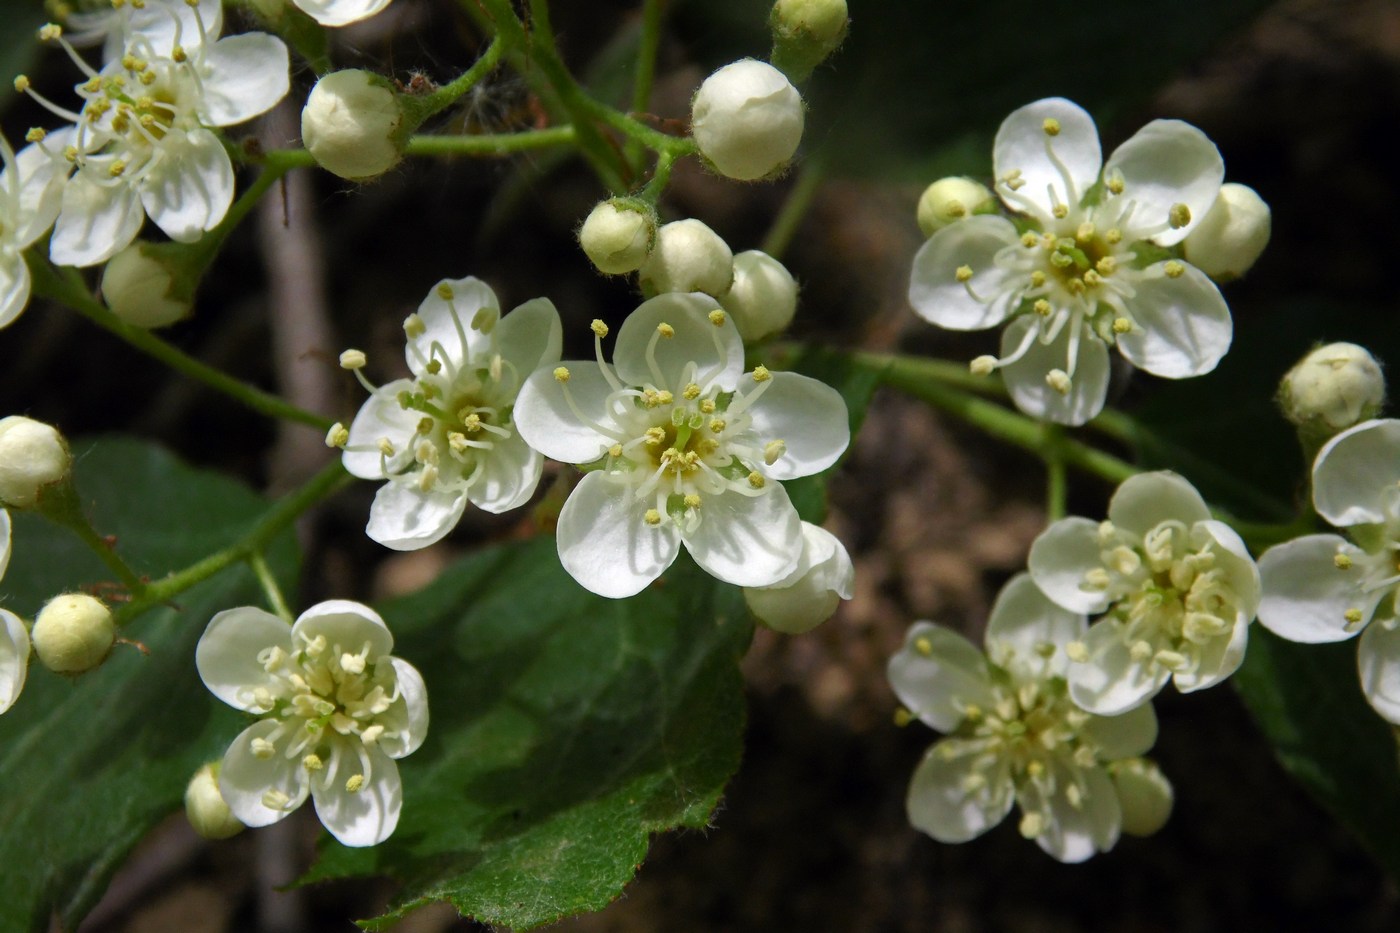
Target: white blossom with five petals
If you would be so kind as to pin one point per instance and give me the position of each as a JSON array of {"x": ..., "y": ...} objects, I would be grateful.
[
  {"x": 1014, "y": 736},
  {"x": 1177, "y": 588},
  {"x": 1083, "y": 265},
  {"x": 681, "y": 447},
  {"x": 336, "y": 710},
  {"x": 14, "y": 636},
  {"x": 1324, "y": 587}
]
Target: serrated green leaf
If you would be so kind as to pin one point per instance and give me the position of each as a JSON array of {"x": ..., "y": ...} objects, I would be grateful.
[
  {"x": 566, "y": 728},
  {"x": 88, "y": 765}
]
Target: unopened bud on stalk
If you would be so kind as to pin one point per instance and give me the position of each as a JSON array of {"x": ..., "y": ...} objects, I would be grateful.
[
  {"x": 73, "y": 633},
  {"x": 951, "y": 199},
  {"x": 805, "y": 32},
  {"x": 351, "y": 124},
  {"x": 33, "y": 457},
  {"x": 205, "y": 807},
  {"x": 1227, "y": 241},
  {"x": 688, "y": 257},
  {"x": 763, "y": 298},
  {"x": 809, "y": 595},
  {"x": 747, "y": 120},
  {"x": 618, "y": 235},
  {"x": 1332, "y": 388},
  {"x": 142, "y": 288}
]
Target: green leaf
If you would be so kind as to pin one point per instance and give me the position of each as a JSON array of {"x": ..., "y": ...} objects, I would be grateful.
[
  {"x": 1308, "y": 701},
  {"x": 566, "y": 728},
  {"x": 88, "y": 765}
]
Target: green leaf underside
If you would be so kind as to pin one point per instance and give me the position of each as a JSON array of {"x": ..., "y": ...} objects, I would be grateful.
[
  {"x": 89, "y": 765},
  {"x": 1308, "y": 701},
  {"x": 566, "y": 728}
]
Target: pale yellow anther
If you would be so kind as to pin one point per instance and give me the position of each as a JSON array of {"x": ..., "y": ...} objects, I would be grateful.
[
  {"x": 773, "y": 451},
  {"x": 337, "y": 436},
  {"x": 599, "y": 328},
  {"x": 655, "y": 436},
  {"x": 665, "y": 330},
  {"x": 21, "y": 83},
  {"x": 963, "y": 273},
  {"x": 761, "y": 373},
  {"x": 36, "y": 134},
  {"x": 1041, "y": 307},
  {"x": 717, "y": 425},
  {"x": 1035, "y": 767},
  {"x": 1171, "y": 660},
  {"x": 1051, "y": 126},
  {"x": 434, "y": 367},
  {"x": 1173, "y": 269},
  {"x": 615, "y": 451},
  {"x": 353, "y": 359},
  {"x": 354, "y": 783},
  {"x": 275, "y": 800},
  {"x": 1058, "y": 380},
  {"x": 692, "y": 501},
  {"x": 718, "y": 317},
  {"x": 691, "y": 392},
  {"x": 1075, "y": 796},
  {"x": 1113, "y": 237},
  {"x": 707, "y": 406},
  {"x": 1075, "y": 287},
  {"x": 923, "y": 646},
  {"x": 445, "y": 292},
  {"x": 706, "y": 446},
  {"x": 386, "y": 447},
  {"x": 1032, "y": 825},
  {"x": 413, "y": 326},
  {"x": 116, "y": 168},
  {"x": 1179, "y": 216},
  {"x": 652, "y": 517},
  {"x": 262, "y": 749},
  {"x": 973, "y": 712},
  {"x": 1115, "y": 184},
  {"x": 757, "y": 481},
  {"x": 1037, "y": 279},
  {"x": 561, "y": 374},
  {"x": 983, "y": 365},
  {"x": 149, "y": 77},
  {"x": 1092, "y": 278},
  {"x": 471, "y": 422},
  {"x": 1106, "y": 265},
  {"x": 1029, "y": 240},
  {"x": 458, "y": 442},
  {"x": 1077, "y": 651},
  {"x": 1140, "y": 651},
  {"x": 1342, "y": 562},
  {"x": 313, "y": 762},
  {"x": 1085, "y": 233},
  {"x": 902, "y": 717},
  {"x": 1353, "y": 616},
  {"x": 1060, "y": 211},
  {"x": 50, "y": 31},
  {"x": 1122, "y": 325}
]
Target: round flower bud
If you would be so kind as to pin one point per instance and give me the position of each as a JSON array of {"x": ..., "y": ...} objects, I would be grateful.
[
  {"x": 351, "y": 122},
  {"x": 1333, "y": 388},
  {"x": 809, "y": 595},
  {"x": 1232, "y": 234},
  {"x": 141, "y": 290},
  {"x": 688, "y": 257},
  {"x": 73, "y": 633},
  {"x": 205, "y": 807},
  {"x": 747, "y": 120},
  {"x": 33, "y": 455},
  {"x": 618, "y": 235},
  {"x": 805, "y": 32},
  {"x": 950, "y": 199},
  {"x": 763, "y": 298},
  {"x": 1144, "y": 795}
]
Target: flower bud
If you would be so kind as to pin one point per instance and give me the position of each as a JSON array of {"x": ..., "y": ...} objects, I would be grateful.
[
  {"x": 950, "y": 199},
  {"x": 141, "y": 289},
  {"x": 747, "y": 120},
  {"x": 809, "y": 595},
  {"x": 33, "y": 455},
  {"x": 1232, "y": 234},
  {"x": 618, "y": 235},
  {"x": 14, "y": 657},
  {"x": 1333, "y": 388},
  {"x": 73, "y": 633},
  {"x": 688, "y": 257},
  {"x": 205, "y": 807},
  {"x": 763, "y": 298},
  {"x": 1144, "y": 795},
  {"x": 805, "y": 32},
  {"x": 351, "y": 124}
]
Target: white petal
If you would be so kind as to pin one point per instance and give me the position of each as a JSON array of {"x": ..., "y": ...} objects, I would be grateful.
[
  {"x": 810, "y": 593},
  {"x": 4, "y": 541},
  {"x": 365, "y": 817},
  {"x": 1231, "y": 556},
  {"x": 1165, "y": 163},
  {"x": 1023, "y": 145},
  {"x": 934, "y": 290},
  {"x": 14, "y": 288},
  {"x": 381, "y": 417},
  {"x": 1025, "y": 378},
  {"x": 1181, "y": 326},
  {"x": 718, "y": 352},
  {"x": 1023, "y": 620},
  {"x": 560, "y": 431},
  {"x": 1306, "y": 596},
  {"x": 405, "y": 518},
  {"x": 1220, "y": 657},
  {"x": 244, "y": 778},
  {"x": 413, "y": 699},
  {"x": 1378, "y": 659},
  {"x": 164, "y": 23},
  {"x": 1061, "y": 556},
  {"x": 531, "y": 336},
  {"x": 1356, "y": 472},
  {"x": 747, "y": 540},
  {"x": 14, "y": 656},
  {"x": 1074, "y": 833},
  {"x": 243, "y": 76},
  {"x": 227, "y": 654},
  {"x": 939, "y": 802},
  {"x": 1146, "y": 500},
  {"x": 345, "y": 623},
  {"x": 938, "y": 674},
  {"x": 95, "y": 222},
  {"x": 509, "y": 474},
  {"x": 1125, "y": 736},
  {"x": 340, "y": 12},
  {"x": 448, "y": 324},
  {"x": 1111, "y": 682},
  {"x": 192, "y": 188},
  {"x": 606, "y": 546},
  {"x": 810, "y": 418},
  {"x": 41, "y": 181}
]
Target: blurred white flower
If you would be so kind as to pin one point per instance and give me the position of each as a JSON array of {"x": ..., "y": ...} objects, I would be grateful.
[
  {"x": 14, "y": 637},
  {"x": 340, "y": 12},
  {"x": 31, "y": 184},
  {"x": 1014, "y": 736},
  {"x": 336, "y": 711}
]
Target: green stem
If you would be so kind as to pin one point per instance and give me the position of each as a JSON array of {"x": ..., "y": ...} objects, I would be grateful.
[
  {"x": 647, "y": 46},
  {"x": 1056, "y": 480},
  {"x": 61, "y": 504},
  {"x": 491, "y": 145},
  {"x": 271, "y": 589},
  {"x": 421, "y": 108},
  {"x": 798, "y": 201},
  {"x": 67, "y": 288},
  {"x": 255, "y": 542},
  {"x": 660, "y": 177}
]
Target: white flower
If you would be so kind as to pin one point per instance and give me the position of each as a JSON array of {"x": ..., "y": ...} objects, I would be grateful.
[
  {"x": 808, "y": 595},
  {"x": 447, "y": 436},
  {"x": 1178, "y": 588},
  {"x": 1322, "y": 588},
  {"x": 1014, "y": 736},
  {"x": 747, "y": 120},
  {"x": 336, "y": 710},
  {"x": 14, "y": 637},
  {"x": 681, "y": 447},
  {"x": 340, "y": 12},
  {"x": 144, "y": 146},
  {"x": 31, "y": 184},
  {"x": 1086, "y": 266},
  {"x": 164, "y": 23}
]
